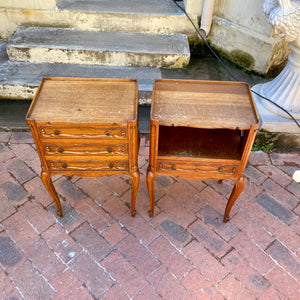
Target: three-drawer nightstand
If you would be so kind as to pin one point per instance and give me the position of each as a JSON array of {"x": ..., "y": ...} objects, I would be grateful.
[
  {"x": 86, "y": 127},
  {"x": 201, "y": 130}
]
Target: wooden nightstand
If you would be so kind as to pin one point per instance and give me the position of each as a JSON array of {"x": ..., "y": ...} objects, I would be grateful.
[
  {"x": 201, "y": 130},
  {"x": 86, "y": 127}
]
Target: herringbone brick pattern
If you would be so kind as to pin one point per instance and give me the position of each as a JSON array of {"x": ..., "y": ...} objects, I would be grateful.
[{"x": 98, "y": 251}]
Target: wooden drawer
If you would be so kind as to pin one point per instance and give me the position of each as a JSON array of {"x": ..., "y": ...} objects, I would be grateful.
[
  {"x": 197, "y": 167},
  {"x": 119, "y": 165},
  {"x": 85, "y": 149},
  {"x": 83, "y": 132}
]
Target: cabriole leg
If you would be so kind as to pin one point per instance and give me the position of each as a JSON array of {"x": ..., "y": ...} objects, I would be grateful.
[
  {"x": 237, "y": 189},
  {"x": 150, "y": 186},
  {"x": 46, "y": 179},
  {"x": 135, "y": 180}
]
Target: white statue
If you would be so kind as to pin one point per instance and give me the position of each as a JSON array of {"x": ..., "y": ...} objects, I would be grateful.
[{"x": 284, "y": 90}]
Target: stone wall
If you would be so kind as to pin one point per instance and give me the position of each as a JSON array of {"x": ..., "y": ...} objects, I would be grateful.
[{"x": 242, "y": 34}]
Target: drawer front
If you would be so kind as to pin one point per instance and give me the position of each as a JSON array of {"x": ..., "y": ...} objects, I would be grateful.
[
  {"x": 86, "y": 149},
  {"x": 197, "y": 167},
  {"x": 83, "y": 132},
  {"x": 120, "y": 165}
]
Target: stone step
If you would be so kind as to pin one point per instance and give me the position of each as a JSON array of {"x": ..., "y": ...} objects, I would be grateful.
[
  {"x": 20, "y": 80},
  {"x": 55, "y": 45},
  {"x": 154, "y": 16}
]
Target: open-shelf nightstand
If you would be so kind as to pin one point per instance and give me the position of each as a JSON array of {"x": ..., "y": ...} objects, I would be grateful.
[
  {"x": 201, "y": 130},
  {"x": 86, "y": 127}
]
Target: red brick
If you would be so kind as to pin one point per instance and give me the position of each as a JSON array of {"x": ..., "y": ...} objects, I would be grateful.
[
  {"x": 4, "y": 175},
  {"x": 92, "y": 241},
  {"x": 276, "y": 174},
  {"x": 116, "y": 207},
  {"x": 6, "y": 208},
  {"x": 14, "y": 192},
  {"x": 167, "y": 286},
  {"x": 231, "y": 288},
  {"x": 115, "y": 293},
  {"x": 71, "y": 218},
  {"x": 285, "y": 258},
  {"x": 116, "y": 183},
  {"x": 251, "y": 189},
  {"x": 176, "y": 263},
  {"x": 210, "y": 239},
  {"x": 61, "y": 243},
  {"x": 37, "y": 216},
  {"x": 114, "y": 233},
  {"x": 25, "y": 151},
  {"x": 36, "y": 188},
  {"x": 148, "y": 293},
  {"x": 198, "y": 184},
  {"x": 68, "y": 190},
  {"x": 95, "y": 189},
  {"x": 69, "y": 287},
  {"x": 208, "y": 265},
  {"x": 214, "y": 220},
  {"x": 4, "y": 136},
  {"x": 21, "y": 137},
  {"x": 215, "y": 200},
  {"x": 286, "y": 159},
  {"x": 175, "y": 233},
  {"x": 93, "y": 213},
  {"x": 91, "y": 275},
  {"x": 31, "y": 283},
  {"x": 10, "y": 256},
  {"x": 6, "y": 286},
  {"x": 5, "y": 153},
  {"x": 281, "y": 195},
  {"x": 140, "y": 228},
  {"x": 14, "y": 295},
  {"x": 20, "y": 231},
  {"x": 249, "y": 277},
  {"x": 295, "y": 227},
  {"x": 259, "y": 158},
  {"x": 199, "y": 287},
  {"x": 138, "y": 255},
  {"x": 186, "y": 195},
  {"x": 124, "y": 273},
  {"x": 255, "y": 256},
  {"x": 224, "y": 188},
  {"x": 294, "y": 188},
  {"x": 176, "y": 211},
  {"x": 254, "y": 175},
  {"x": 45, "y": 260},
  {"x": 271, "y": 294},
  {"x": 284, "y": 283},
  {"x": 252, "y": 230},
  {"x": 280, "y": 230}
]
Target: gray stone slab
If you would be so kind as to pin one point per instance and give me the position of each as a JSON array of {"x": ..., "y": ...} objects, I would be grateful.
[
  {"x": 121, "y": 6},
  {"x": 101, "y": 48},
  {"x": 20, "y": 80}
]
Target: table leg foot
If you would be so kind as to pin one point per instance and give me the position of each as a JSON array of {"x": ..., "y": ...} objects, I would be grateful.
[
  {"x": 46, "y": 179},
  {"x": 150, "y": 186},
  {"x": 151, "y": 214},
  {"x": 220, "y": 181},
  {"x": 135, "y": 180},
  {"x": 237, "y": 189}
]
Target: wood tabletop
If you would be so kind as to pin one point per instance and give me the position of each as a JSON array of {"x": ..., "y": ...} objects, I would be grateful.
[
  {"x": 206, "y": 104},
  {"x": 85, "y": 100}
]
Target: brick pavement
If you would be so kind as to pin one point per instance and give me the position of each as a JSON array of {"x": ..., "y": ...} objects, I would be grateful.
[{"x": 97, "y": 251}]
